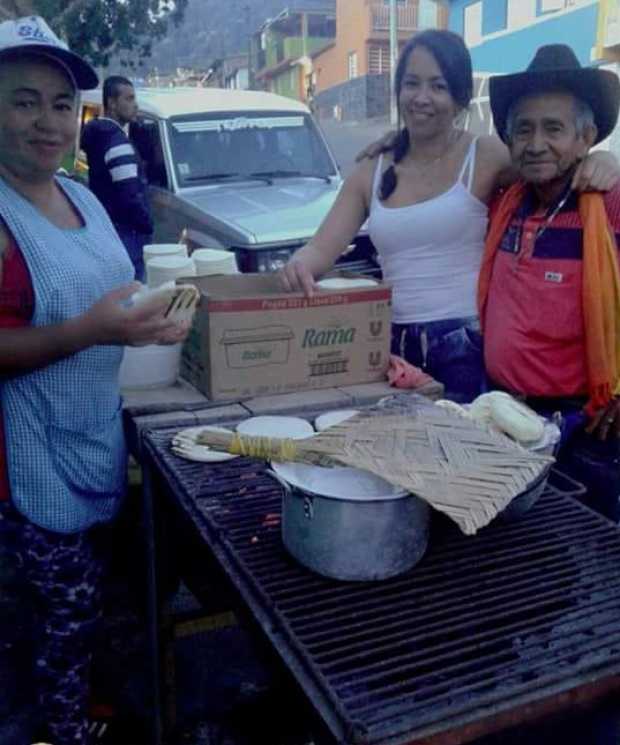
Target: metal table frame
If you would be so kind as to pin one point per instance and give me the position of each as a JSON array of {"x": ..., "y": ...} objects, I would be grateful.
[{"x": 525, "y": 711}]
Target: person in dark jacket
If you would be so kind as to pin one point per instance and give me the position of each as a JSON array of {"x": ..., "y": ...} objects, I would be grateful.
[{"x": 115, "y": 173}]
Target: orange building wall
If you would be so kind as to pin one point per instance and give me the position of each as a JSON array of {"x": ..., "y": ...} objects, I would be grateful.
[{"x": 352, "y": 31}]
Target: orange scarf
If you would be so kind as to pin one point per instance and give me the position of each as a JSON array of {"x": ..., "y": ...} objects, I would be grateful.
[{"x": 601, "y": 289}]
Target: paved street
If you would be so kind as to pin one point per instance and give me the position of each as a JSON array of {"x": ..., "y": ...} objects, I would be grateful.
[{"x": 347, "y": 139}]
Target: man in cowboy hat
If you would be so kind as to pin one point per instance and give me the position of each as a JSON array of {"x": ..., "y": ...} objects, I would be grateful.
[{"x": 549, "y": 292}]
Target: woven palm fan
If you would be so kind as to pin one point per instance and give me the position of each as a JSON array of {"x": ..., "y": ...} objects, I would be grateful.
[{"x": 462, "y": 469}]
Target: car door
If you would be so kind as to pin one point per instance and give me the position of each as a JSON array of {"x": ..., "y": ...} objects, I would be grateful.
[
  {"x": 88, "y": 111},
  {"x": 169, "y": 216}
]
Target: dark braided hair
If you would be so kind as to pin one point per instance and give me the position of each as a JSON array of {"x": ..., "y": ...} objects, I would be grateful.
[
  {"x": 453, "y": 59},
  {"x": 389, "y": 179}
]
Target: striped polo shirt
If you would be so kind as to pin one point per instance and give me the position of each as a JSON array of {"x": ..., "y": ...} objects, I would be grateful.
[{"x": 534, "y": 332}]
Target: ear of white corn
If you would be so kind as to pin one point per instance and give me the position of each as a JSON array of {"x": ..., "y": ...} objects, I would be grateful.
[
  {"x": 517, "y": 420},
  {"x": 500, "y": 411}
]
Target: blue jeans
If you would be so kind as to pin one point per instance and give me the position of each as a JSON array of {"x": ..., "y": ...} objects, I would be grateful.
[
  {"x": 134, "y": 243},
  {"x": 450, "y": 351},
  {"x": 595, "y": 463}
]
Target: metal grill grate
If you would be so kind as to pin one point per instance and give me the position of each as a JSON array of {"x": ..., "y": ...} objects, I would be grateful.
[{"x": 483, "y": 624}]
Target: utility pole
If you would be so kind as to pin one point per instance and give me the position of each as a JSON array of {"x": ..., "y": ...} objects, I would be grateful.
[
  {"x": 393, "y": 60},
  {"x": 246, "y": 9}
]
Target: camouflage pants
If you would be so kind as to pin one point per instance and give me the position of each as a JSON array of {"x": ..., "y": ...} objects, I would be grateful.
[{"x": 61, "y": 576}]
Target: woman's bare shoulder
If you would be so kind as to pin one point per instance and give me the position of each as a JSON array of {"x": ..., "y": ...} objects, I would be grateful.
[
  {"x": 492, "y": 151},
  {"x": 363, "y": 175},
  {"x": 493, "y": 167}
]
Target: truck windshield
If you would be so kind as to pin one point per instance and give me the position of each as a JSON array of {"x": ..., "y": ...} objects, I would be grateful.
[{"x": 206, "y": 148}]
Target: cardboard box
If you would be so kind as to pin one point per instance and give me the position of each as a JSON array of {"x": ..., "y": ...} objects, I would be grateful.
[{"x": 250, "y": 339}]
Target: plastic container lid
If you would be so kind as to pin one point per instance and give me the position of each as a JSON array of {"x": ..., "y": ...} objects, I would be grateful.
[
  {"x": 152, "y": 250},
  {"x": 345, "y": 283}
]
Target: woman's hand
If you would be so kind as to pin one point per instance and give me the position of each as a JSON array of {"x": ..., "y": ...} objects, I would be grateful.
[
  {"x": 387, "y": 142},
  {"x": 598, "y": 171},
  {"x": 110, "y": 322},
  {"x": 605, "y": 424},
  {"x": 295, "y": 275},
  {"x": 336, "y": 232}
]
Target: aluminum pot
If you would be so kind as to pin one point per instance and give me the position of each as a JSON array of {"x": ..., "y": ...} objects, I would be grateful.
[
  {"x": 526, "y": 500},
  {"x": 548, "y": 445},
  {"x": 359, "y": 537}
]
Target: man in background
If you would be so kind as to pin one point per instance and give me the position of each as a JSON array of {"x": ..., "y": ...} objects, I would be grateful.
[{"x": 115, "y": 173}]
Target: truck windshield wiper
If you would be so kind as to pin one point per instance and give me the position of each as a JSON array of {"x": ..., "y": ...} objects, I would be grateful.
[
  {"x": 227, "y": 176},
  {"x": 212, "y": 177},
  {"x": 291, "y": 174}
]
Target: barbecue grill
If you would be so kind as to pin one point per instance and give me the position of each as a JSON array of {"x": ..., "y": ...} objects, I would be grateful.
[{"x": 485, "y": 632}]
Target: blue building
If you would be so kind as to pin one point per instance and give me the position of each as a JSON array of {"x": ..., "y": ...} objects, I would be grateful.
[{"x": 503, "y": 35}]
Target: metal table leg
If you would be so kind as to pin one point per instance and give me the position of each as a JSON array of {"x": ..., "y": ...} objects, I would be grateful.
[{"x": 152, "y": 600}]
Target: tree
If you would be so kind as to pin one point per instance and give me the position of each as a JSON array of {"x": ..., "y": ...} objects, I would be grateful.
[{"x": 99, "y": 29}]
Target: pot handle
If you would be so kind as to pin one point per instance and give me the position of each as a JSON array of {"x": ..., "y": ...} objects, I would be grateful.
[{"x": 284, "y": 484}]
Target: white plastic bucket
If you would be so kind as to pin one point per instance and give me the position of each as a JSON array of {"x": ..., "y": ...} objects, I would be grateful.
[
  {"x": 167, "y": 269},
  {"x": 153, "y": 366},
  {"x": 155, "y": 250},
  {"x": 214, "y": 261}
]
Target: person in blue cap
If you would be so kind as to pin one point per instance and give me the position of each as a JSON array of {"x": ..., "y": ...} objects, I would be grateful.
[{"x": 65, "y": 279}]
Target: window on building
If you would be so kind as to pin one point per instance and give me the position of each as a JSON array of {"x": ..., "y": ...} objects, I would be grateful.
[
  {"x": 520, "y": 13},
  {"x": 473, "y": 24},
  {"x": 548, "y": 6},
  {"x": 352, "y": 59},
  {"x": 378, "y": 59}
]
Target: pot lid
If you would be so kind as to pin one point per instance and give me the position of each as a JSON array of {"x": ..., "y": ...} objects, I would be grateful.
[{"x": 340, "y": 482}]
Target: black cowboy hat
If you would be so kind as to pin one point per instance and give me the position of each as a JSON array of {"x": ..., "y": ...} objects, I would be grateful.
[{"x": 555, "y": 67}]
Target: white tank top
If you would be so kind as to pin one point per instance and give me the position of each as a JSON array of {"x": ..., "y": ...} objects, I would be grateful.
[{"x": 430, "y": 252}]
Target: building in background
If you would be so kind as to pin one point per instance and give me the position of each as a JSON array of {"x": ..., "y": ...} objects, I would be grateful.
[
  {"x": 503, "y": 35},
  {"x": 608, "y": 31},
  {"x": 182, "y": 77},
  {"x": 351, "y": 77},
  {"x": 229, "y": 72},
  {"x": 283, "y": 48}
]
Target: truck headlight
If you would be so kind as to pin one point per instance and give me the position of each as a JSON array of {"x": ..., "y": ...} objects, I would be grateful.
[{"x": 271, "y": 261}]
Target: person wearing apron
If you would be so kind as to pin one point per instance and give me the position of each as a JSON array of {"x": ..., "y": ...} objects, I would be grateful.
[{"x": 65, "y": 279}]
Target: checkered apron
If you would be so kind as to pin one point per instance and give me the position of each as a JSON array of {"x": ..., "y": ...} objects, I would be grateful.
[{"x": 65, "y": 447}]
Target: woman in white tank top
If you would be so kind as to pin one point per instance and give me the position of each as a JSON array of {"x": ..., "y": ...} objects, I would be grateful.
[{"x": 427, "y": 204}]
